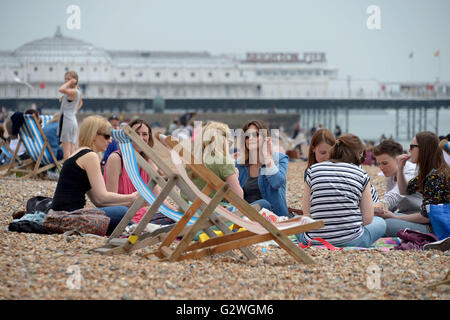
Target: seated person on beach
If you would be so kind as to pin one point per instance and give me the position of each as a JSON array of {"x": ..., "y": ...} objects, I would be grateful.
[
  {"x": 432, "y": 180},
  {"x": 319, "y": 150},
  {"x": 445, "y": 146},
  {"x": 345, "y": 208},
  {"x": 386, "y": 153},
  {"x": 81, "y": 175},
  {"x": 50, "y": 131},
  {"x": 113, "y": 146},
  {"x": 262, "y": 172},
  {"x": 214, "y": 153},
  {"x": 4, "y": 156},
  {"x": 118, "y": 181}
]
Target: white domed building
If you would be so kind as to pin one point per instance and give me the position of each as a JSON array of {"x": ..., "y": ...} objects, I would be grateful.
[{"x": 129, "y": 80}]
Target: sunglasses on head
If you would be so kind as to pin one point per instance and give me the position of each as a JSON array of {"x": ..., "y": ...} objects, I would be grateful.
[{"x": 107, "y": 136}]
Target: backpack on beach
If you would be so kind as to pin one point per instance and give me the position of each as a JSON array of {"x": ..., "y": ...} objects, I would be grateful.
[
  {"x": 39, "y": 203},
  {"x": 93, "y": 221}
]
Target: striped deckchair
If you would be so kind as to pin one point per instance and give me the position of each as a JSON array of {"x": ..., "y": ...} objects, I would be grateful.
[
  {"x": 8, "y": 153},
  {"x": 258, "y": 229},
  {"x": 139, "y": 239},
  {"x": 38, "y": 147}
]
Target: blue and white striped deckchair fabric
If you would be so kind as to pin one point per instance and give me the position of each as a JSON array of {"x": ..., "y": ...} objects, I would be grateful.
[
  {"x": 33, "y": 140},
  {"x": 6, "y": 151},
  {"x": 131, "y": 166}
]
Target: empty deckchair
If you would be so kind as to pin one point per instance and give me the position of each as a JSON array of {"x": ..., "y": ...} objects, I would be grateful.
[
  {"x": 138, "y": 239},
  {"x": 38, "y": 147}
]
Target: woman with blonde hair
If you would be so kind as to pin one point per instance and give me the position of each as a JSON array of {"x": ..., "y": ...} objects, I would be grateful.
[
  {"x": 71, "y": 102},
  {"x": 337, "y": 191},
  {"x": 81, "y": 175},
  {"x": 211, "y": 147}
]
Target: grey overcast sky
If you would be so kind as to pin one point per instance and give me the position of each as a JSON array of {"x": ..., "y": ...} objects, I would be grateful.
[{"x": 336, "y": 27}]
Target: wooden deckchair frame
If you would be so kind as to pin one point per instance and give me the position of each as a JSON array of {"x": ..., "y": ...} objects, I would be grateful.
[
  {"x": 34, "y": 164},
  {"x": 138, "y": 240},
  {"x": 13, "y": 159},
  {"x": 185, "y": 249}
]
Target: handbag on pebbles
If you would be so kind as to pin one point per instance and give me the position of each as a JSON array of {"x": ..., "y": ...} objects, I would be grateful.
[{"x": 93, "y": 221}]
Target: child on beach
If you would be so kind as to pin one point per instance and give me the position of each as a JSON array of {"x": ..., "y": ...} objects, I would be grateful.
[{"x": 71, "y": 102}]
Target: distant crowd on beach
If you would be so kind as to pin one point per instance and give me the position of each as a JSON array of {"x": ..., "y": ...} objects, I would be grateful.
[{"x": 337, "y": 189}]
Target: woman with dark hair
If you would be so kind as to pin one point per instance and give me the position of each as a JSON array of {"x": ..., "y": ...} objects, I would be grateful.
[
  {"x": 117, "y": 179},
  {"x": 262, "y": 173},
  {"x": 337, "y": 192},
  {"x": 433, "y": 178},
  {"x": 319, "y": 150}
]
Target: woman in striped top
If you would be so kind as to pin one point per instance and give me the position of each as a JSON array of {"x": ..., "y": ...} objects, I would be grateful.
[
  {"x": 338, "y": 192},
  {"x": 319, "y": 150}
]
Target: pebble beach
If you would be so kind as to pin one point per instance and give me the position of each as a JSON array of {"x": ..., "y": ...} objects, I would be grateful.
[{"x": 34, "y": 266}]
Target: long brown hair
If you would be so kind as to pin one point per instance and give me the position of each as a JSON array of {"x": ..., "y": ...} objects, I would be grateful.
[
  {"x": 261, "y": 125},
  {"x": 348, "y": 148},
  {"x": 140, "y": 123},
  {"x": 430, "y": 157},
  {"x": 321, "y": 135}
]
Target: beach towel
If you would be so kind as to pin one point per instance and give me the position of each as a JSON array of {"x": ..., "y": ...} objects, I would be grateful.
[{"x": 382, "y": 244}]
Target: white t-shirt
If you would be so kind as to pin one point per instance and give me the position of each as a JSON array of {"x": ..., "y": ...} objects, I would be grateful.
[
  {"x": 13, "y": 146},
  {"x": 336, "y": 191},
  {"x": 404, "y": 204}
]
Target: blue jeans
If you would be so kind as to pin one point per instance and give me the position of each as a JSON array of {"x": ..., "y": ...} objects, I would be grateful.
[
  {"x": 115, "y": 214},
  {"x": 263, "y": 203},
  {"x": 371, "y": 233},
  {"x": 394, "y": 225}
]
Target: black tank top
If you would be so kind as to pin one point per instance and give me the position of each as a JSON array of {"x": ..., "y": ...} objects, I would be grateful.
[{"x": 73, "y": 183}]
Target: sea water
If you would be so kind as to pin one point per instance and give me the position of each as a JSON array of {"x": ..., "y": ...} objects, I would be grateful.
[{"x": 370, "y": 125}]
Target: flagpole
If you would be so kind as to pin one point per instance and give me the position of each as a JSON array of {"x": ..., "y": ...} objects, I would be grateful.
[{"x": 439, "y": 67}]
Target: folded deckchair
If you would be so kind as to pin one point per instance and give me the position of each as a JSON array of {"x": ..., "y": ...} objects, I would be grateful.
[
  {"x": 38, "y": 147},
  {"x": 139, "y": 239}
]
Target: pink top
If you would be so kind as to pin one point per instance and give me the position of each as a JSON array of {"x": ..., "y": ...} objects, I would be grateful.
[{"x": 127, "y": 187}]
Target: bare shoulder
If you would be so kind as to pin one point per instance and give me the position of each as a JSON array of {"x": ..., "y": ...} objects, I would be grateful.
[{"x": 88, "y": 159}]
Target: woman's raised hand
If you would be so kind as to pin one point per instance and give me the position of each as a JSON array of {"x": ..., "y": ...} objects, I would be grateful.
[
  {"x": 267, "y": 151},
  {"x": 401, "y": 160}
]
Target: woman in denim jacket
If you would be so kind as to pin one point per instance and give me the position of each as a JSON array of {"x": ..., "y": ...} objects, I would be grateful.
[{"x": 262, "y": 173}]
